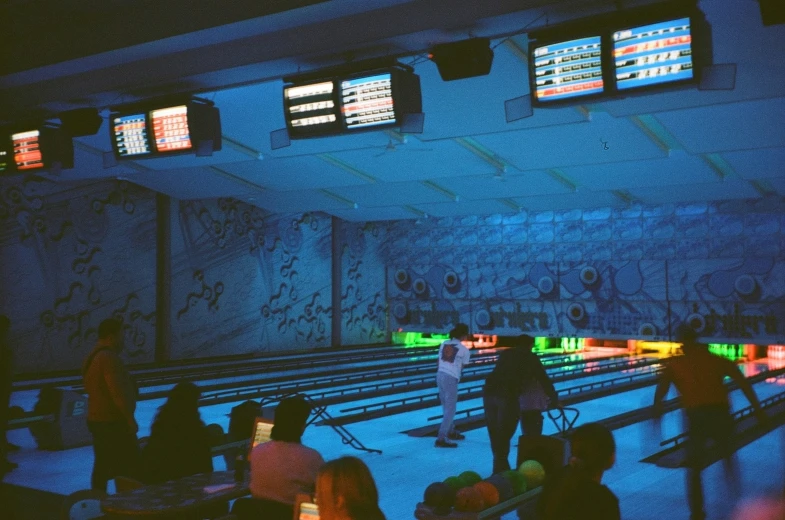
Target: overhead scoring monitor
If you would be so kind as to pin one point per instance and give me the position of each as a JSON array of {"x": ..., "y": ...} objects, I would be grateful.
[
  {"x": 652, "y": 54},
  {"x": 368, "y": 101},
  {"x": 568, "y": 69},
  {"x": 311, "y": 109},
  {"x": 170, "y": 129},
  {"x": 27, "y": 150},
  {"x": 130, "y": 135}
]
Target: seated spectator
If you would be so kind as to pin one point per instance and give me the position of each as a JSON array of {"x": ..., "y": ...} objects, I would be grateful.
[
  {"x": 345, "y": 490},
  {"x": 179, "y": 444},
  {"x": 281, "y": 468},
  {"x": 577, "y": 491}
]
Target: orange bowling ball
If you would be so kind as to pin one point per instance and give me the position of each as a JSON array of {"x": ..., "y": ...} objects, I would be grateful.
[
  {"x": 489, "y": 493},
  {"x": 469, "y": 499}
]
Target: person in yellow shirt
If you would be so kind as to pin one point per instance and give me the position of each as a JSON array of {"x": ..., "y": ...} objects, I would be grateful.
[
  {"x": 699, "y": 377},
  {"x": 111, "y": 403}
]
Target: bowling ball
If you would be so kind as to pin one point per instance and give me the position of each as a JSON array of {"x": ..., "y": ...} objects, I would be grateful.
[
  {"x": 215, "y": 433},
  {"x": 517, "y": 481},
  {"x": 533, "y": 472},
  {"x": 16, "y": 412},
  {"x": 439, "y": 496},
  {"x": 455, "y": 483},
  {"x": 489, "y": 493},
  {"x": 470, "y": 478},
  {"x": 468, "y": 499},
  {"x": 502, "y": 485}
]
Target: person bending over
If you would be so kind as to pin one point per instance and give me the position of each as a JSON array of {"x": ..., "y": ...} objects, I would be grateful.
[
  {"x": 453, "y": 355},
  {"x": 345, "y": 490},
  {"x": 577, "y": 493},
  {"x": 517, "y": 388},
  {"x": 179, "y": 444}
]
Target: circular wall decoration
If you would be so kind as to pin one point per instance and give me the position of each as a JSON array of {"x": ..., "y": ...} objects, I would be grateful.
[
  {"x": 647, "y": 329},
  {"x": 745, "y": 285},
  {"x": 576, "y": 312},
  {"x": 696, "y": 322},
  {"x": 545, "y": 285},
  {"x": 401, "y": 278},
  {"x": 420, "y": 287},
  {"x": 451, "y": 281},
  {"x": 589, "y": 275},
  {"x": 483, "y": 319},
  {"x": 400, "y": 311}
]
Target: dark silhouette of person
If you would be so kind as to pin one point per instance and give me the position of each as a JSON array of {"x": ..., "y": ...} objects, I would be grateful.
[
  {"x": 179, "y": 444},
  {"x": 111, "y": 404},
  {"x": 577, "y": 492},
  {"x": 345, "y": 490},
  {"x": 6, "y": 375},
  {"x": 517, "y": 377},
  {"x": 698, "y": 376}
]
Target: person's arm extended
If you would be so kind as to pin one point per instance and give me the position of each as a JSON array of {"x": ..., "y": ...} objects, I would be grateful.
[
  {"x": 120, "y": 388},
  {"x": 661, "y": 391},
  {"x": 733, "y": 371},
  {"x": 542, "y": 377}
]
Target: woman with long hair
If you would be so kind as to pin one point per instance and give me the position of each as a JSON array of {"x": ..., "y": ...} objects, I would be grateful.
[
  {"x": 345, "y": 490},
  {"x": 179, "y": 444}
]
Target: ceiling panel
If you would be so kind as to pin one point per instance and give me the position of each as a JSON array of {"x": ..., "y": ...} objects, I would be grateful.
[
  {"x": 294, "y": 173},
  {"x": 362, "y": 214},
  {"x": 726, "y": 190},
  {"x": 678, "y": 169},
  {"x": 475, "y": 207},
  {"x": 192, "y": 183},
  {"x": 297, "y": 201},
  {"x": 778, "y": 184},
  {"x": 502, "y": 186},
  {"x": 757, "y": 164},
  {"x": 392, "y": 194},
  {"x": 417, "y": 161},
  {"x": 751, "y": 124},
  {"x": 603, "y": 140},
  {"x": 580, "y": 199}
]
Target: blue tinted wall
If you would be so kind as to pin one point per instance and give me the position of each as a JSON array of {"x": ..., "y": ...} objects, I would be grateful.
[{"x": 635, "y": 272}]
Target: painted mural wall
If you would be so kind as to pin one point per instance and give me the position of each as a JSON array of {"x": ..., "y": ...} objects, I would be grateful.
[
  {"x": 73, "y": 255},
  {"x": 364, "y": 249},
  {"x": 635, "y": 272},
  {"x": 246, "y": 282}
]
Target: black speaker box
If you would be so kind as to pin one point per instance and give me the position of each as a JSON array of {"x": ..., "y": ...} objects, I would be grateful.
[
  {"x": 463, "y": 59},
  {"x": 81, "y": 121},
  {"x": 772, "y": 12}
]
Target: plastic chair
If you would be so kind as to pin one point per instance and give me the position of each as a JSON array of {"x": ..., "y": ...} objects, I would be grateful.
[
  {"x": 82, "y": 505},
  {"x": 123, "y": 484}
]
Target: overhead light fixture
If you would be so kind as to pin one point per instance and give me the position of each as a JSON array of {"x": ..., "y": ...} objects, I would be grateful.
[{"x": 463, "y": 59}]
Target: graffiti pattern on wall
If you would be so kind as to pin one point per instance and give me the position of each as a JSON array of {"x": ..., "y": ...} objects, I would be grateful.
[
  {"x": 633, "y": 272},
  {"x": 246, "y": 282},
  {"x": 363, "y": 305},
  {"x": 72, "y": 255}
]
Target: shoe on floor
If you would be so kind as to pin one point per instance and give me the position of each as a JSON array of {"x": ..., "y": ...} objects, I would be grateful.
[
  {"x": 456, "y": 436},
  {"x": 443, "y": 443}
]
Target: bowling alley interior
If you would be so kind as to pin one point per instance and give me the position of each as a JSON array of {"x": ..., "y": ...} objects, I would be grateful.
[{"x": 304, "y": 201}]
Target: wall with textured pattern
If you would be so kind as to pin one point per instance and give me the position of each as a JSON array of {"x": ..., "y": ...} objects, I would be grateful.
[
  {"x": 246, "y": 282},
  {"x": 616, "y": 273},
  {"x": 73, "y": 255}
]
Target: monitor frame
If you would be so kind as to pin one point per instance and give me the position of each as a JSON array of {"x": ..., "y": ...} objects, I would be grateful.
[
  {"x": 700, "y": 44},
  {"x": 204, "y": 126},
  {"x": 406, "y": 94},
  {"x": 56, "y": 146},
  {"x": 553, "y": 37}
]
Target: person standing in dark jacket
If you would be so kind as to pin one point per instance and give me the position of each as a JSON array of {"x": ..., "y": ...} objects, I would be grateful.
[
  {"x": 517, "y": 380},
  {"x": 6, "y": 372}
]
